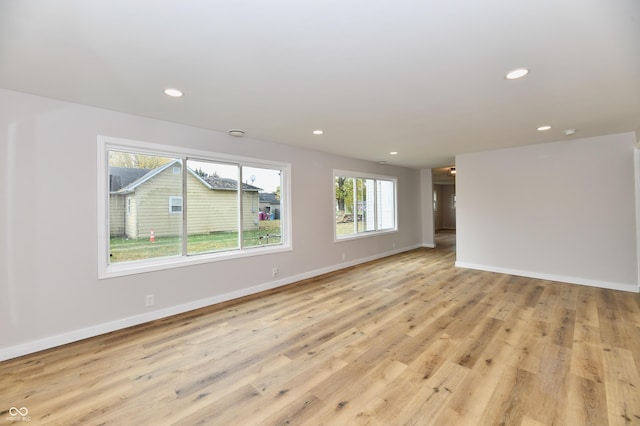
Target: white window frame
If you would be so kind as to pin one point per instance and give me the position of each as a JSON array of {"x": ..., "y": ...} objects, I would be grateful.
[
  {"x": 376, "y": 177},
  {"x": 107, "y": 270},
  {"x": 172, "y": 204}
]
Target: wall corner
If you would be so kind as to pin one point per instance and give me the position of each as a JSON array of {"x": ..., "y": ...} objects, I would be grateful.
[{"x": 426, "y": 210}]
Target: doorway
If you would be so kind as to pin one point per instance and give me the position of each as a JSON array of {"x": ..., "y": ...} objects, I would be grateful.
[{"x": 444, "y": 202}]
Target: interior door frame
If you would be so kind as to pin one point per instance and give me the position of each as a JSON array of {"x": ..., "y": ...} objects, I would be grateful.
[{"x": 636, "y": 157}]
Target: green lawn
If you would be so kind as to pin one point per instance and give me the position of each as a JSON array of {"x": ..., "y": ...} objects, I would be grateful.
[
  {"x": 346, "y": 228},
  {"x": 123, "y": 250}
]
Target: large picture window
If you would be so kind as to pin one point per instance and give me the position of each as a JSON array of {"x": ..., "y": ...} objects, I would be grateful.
[
  {"x": 163, "y": 209},
  {"x": 363, "y": 204}
]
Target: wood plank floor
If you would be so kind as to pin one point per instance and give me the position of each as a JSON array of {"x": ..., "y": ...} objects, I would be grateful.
[{"x": 406, "y": 340}]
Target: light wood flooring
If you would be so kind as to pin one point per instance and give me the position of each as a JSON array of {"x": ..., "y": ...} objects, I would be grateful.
[{"x": 405, "y": 340}]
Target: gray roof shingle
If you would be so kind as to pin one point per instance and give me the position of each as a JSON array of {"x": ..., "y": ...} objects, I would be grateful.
[
  {"x": 125, "y": 179},
  {"x": 119, "y": 177}
]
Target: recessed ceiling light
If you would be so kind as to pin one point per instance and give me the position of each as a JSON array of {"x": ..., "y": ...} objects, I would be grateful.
[
  {"x": 517, "y": 73},
  {"x": 174, "y": 93},
  {"x": 394, "y": 153},
  {"x": 318, "y": 132},
  {"x": 382, "y": 162},
  {"x": 236, "y": 132},
  {"x": 543, "y": 128},
  {"x": 570, "y": 132}
]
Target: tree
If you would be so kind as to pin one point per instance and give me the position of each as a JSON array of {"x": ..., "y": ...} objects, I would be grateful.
[
  {"x": 344, "y": 193},
  {"x": 136, "y": 161},
  {"x": 201, "y": 173}
]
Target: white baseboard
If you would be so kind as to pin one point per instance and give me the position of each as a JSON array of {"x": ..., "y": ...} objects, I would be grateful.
[
  {"x": 552, "y": 277},
  {"x": 87, "y": 332}
]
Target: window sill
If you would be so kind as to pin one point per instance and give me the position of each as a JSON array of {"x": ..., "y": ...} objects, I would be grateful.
[
  {"x": 151, "y": 265},
  {"x": 350, "y": 237}
]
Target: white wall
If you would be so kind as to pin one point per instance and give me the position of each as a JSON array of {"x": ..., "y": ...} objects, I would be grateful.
[
  {"x": 563, "y": 211},
  {"x": 426, "y": 202},
  {"x": 49, "y": 291}
]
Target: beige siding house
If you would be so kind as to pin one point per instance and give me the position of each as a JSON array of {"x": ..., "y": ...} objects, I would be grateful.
[
  {"x": 213, "y": 205},
  {"x": 116, "y": 214},
  {"x": 153, "y": 202}
]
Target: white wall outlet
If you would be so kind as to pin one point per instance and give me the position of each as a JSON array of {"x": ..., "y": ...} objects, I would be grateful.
[
  {"x": 394, "y": 245},
  {"x": 274, "y": 271},
  {"x": 344, "y": 256},
  {"x": 148, "y": 300}
]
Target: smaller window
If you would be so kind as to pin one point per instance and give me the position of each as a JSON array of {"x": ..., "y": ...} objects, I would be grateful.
[
  {"x": 364, "y": 205},
  {"x": 177, "y": 170},
  {"x": 175, "y": 204}
]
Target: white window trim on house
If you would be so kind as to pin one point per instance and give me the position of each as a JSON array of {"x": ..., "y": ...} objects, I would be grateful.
[
  {"x": 175, "y": 201},
  {"x": 360, "y": 175},
  {"x": 107, "y": 270}
]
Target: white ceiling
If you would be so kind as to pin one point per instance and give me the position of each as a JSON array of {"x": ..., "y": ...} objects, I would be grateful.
[{"x": 424, "y": 78}]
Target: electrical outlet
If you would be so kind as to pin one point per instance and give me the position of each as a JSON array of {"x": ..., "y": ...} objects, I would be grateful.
[
  {"x": 344, "y": 256},
  {"x": 394, "y": 245},
  {"x": 274, "y": 271},
  {"x": 148, "y": 301}
]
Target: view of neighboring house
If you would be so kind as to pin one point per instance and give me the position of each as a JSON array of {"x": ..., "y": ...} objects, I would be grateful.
[
  {"x": 146, "y": 200},
  {"x": 270, "y": 205}
]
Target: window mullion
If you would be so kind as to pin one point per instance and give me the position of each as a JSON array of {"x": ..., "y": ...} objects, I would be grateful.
[
  {"x": 355, "y": 205},
  {"x": 375, "y": 204},
  {"x": 240, "y": 207},
  {"x": 185, "y": 201}
]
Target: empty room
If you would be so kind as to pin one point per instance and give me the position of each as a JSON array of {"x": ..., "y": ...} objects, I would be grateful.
[{"x": 319, "y": 212}]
